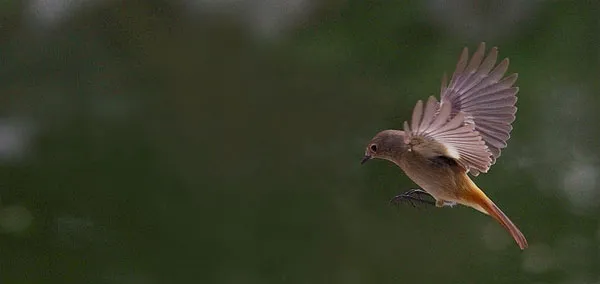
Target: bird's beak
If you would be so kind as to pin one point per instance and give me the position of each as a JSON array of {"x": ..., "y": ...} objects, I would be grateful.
[{"x": 365, "y": 159}]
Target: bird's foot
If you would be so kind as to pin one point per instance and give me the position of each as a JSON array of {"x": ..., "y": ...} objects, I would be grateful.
[{"x": 413, "y": 197}]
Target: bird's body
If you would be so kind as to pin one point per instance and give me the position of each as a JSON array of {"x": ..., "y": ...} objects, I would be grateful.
[
  {"x": 464, "y": 133},
  {"x": 439, "y": 176}
]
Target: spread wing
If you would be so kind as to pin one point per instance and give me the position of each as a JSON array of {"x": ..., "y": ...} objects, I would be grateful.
[
  {"x": 459, "y": 140},
  {"x": 478, "y": 90}
]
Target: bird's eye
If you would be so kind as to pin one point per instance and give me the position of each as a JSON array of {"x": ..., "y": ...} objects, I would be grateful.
[{"x": 374, "y": 148}]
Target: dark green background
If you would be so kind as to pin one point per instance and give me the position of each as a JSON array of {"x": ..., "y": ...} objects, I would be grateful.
[{"x": 172, "y": 146}]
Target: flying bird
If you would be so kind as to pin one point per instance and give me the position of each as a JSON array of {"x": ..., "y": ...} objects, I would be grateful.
[{"x": 464, "y": 132}]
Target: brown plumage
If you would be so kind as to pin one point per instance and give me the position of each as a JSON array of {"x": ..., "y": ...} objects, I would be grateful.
[{"x": 464, "y": 133}]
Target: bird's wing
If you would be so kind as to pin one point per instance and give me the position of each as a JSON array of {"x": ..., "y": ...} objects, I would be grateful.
[
  {"x": 487, "y": 100},
  {"x": 459, "y": 140}
]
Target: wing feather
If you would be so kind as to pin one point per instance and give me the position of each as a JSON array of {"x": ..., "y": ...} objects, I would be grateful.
[
  {"x": 442, "y": 116},
  {"x": 486, "y": 99},
  {"x": 417, "y": 114},
  {"x": 429, "y": 114},
  {"x": 459, "y": 140}
]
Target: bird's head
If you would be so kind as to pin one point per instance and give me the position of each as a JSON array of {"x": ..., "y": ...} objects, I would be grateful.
[{"x": 387, "y": 145}]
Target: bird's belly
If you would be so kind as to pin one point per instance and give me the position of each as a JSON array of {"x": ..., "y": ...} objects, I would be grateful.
[
  {"x": 439, "y": 181},
  {"x": 437, "y": 189}
]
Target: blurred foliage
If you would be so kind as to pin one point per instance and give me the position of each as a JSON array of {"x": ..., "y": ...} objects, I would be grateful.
[{"x": 173, "y": 147}]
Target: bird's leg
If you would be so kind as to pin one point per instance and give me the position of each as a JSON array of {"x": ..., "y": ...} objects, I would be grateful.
[
  {"x": 443, "y": 203},
  {"x": 412, "y": 196}
]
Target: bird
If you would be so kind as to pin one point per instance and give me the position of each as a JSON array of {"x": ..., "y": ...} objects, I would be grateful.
[{"x": 462, "y": 134}]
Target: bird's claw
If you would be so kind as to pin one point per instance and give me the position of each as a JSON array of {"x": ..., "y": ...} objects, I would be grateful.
[{"x": 412, "y": 196}]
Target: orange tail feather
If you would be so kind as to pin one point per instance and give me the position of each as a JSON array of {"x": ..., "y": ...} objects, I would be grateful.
[
  {"x": 478, "y": 200},
  {"x": 491, "y": 209}
]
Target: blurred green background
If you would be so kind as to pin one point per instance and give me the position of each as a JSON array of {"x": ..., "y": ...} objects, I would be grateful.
[{"x": 219, "y": 142}]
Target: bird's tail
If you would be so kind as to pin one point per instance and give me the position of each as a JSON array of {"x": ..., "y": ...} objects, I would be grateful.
[{"x": 487, "y": 206}]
